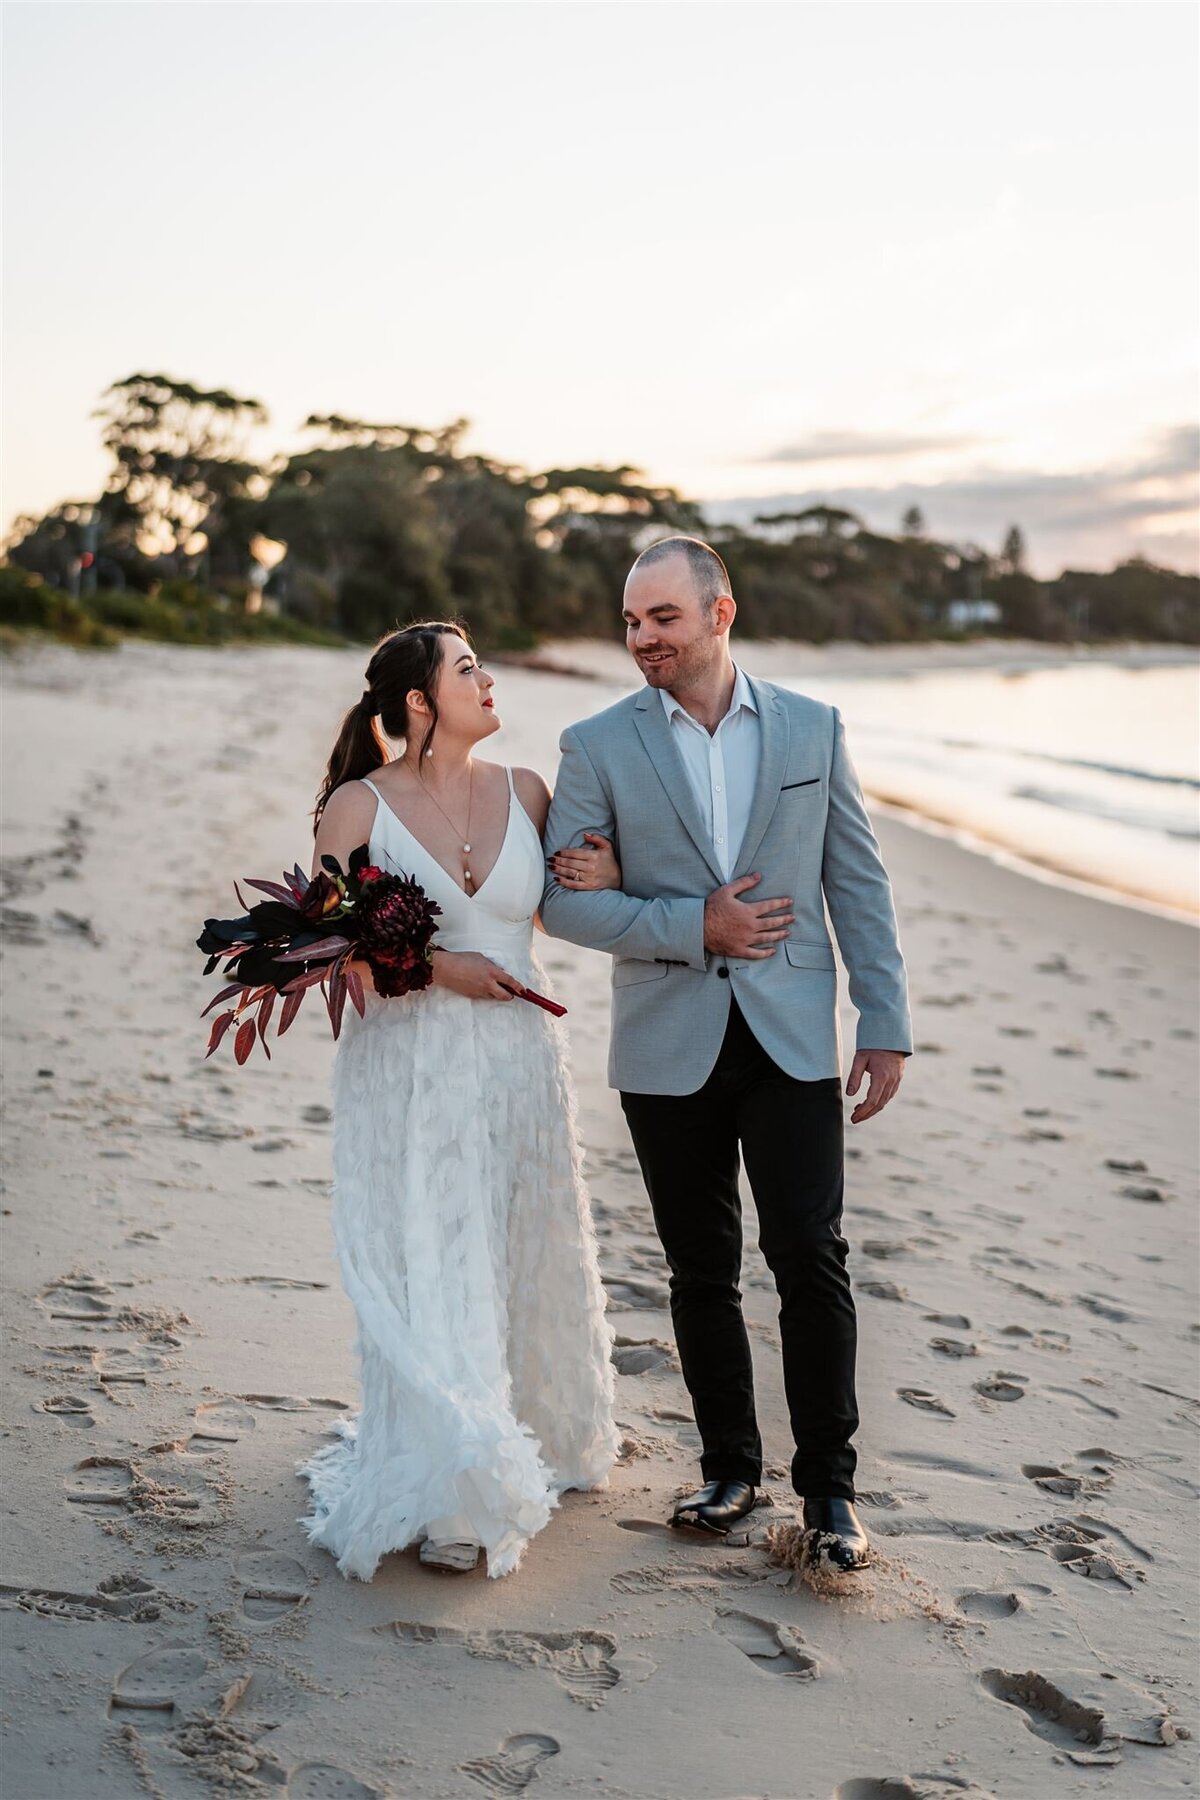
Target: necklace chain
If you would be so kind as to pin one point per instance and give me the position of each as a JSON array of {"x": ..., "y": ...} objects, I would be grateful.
[{"x": 466, "y": 836}]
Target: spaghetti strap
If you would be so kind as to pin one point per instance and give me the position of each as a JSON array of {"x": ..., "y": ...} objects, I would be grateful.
[
  {"x": 367, "y": 782},
  {"x": 512, "y": 792}
]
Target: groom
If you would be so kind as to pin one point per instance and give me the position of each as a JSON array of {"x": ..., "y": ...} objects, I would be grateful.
[{"x": 738, "y": 819}]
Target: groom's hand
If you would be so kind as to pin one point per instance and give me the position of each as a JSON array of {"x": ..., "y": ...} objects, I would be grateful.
[
  {"x": 885, "y": 1068},
  {"x": 737, "y": 927}
]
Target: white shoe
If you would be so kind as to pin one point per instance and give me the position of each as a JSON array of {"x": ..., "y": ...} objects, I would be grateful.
[{"x": 459, "y": 1557}]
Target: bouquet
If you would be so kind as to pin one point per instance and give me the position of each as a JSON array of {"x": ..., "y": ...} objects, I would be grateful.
[{"x": 307, "y": 933}]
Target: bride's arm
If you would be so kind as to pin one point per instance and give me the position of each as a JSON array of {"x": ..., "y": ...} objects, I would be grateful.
[
  {"x": 345, "y": 824},
  {"x": 584, "y": 868}
]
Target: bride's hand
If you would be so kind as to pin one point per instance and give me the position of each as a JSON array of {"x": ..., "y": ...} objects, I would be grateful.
[
  {"x": 476, "y": 977},
  {"x": 588, "y": 870}
]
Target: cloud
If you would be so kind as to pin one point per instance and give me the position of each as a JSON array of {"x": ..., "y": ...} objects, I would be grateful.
[
  {"x": 1178, "y": 453},
  {"x": 1083, "y": 517},
  {"x": 844, "y": 446}
]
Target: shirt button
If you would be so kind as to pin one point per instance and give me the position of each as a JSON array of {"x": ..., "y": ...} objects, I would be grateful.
[
  {"x": 720, "y": 840},
  {"x": 716, "y": 790}
]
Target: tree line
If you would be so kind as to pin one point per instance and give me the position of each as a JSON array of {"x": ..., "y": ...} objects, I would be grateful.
[{"x": 369, "y": 525}]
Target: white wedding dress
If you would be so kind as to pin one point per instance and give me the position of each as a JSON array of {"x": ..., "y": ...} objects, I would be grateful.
[{"x": 466, "y": 1244}]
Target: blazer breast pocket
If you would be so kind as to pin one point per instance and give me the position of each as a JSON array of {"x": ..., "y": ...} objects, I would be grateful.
[{"x": 813, "y": 781}]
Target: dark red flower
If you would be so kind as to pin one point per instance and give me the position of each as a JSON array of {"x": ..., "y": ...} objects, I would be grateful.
[{"x": 396, "y": 921}]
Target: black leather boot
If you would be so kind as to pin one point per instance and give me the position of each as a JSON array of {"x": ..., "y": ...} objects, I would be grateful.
[
  {"x": 717, "y": 1506},
  {"x": 843, "y": 1539}
]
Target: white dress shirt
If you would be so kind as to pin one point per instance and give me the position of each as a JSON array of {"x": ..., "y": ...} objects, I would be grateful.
[{"x": 721, "y": 768}]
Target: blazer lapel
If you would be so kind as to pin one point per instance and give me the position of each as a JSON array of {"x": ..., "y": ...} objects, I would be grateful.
[
  {"x": 773, "y": 754},
  {"x": 654, "y": 728}
]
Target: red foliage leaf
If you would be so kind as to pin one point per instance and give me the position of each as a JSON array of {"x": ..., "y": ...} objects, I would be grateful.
[
  {"x": 264, "y": 1017},
  {"x": 337, "y": 1000},
  {"x": 354, "y": 985},
  {"x": 220, "y": 1027},
  {"x": 299, "y": 983},
  {"x": 291, "y": 1006},
  {"x": 329, "y": 946},
  {"x": 226, "y": 993},
  {"x": 275, "y": 891},
  {"x": 243, "y": 1043}
]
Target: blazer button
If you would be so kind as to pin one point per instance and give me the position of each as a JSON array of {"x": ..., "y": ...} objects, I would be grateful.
[{"x": 723, "y": 972}]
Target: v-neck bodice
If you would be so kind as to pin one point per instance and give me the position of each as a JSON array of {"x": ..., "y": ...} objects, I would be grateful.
[{"x": 498, "y": 918}]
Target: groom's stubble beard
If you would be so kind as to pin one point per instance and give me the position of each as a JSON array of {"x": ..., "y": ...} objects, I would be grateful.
[{"x": 690, "y": 666}]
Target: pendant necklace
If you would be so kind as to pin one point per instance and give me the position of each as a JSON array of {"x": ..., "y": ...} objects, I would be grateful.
[{"x": 466, "y": 845}]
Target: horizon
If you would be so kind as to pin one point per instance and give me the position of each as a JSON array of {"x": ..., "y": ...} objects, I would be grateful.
[{"x": 996, "y": 323}]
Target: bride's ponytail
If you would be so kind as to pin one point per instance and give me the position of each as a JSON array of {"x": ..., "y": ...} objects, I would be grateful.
[
  {"x": 357, "y": 751},
  {"x": 400, "y": 662}
]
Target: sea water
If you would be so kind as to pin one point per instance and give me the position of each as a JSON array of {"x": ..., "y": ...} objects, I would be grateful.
[{"x": 1090, "y": 771}]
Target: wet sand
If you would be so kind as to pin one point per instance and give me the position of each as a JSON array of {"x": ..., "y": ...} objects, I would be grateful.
[{"x": 1022, "y": 1231}]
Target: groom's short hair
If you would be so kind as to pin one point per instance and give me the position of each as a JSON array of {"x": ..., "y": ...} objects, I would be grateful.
[{"x": 709, "y": 575}]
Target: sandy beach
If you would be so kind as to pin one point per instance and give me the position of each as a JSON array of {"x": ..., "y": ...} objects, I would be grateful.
[{"x": 1022, "y": 1229}]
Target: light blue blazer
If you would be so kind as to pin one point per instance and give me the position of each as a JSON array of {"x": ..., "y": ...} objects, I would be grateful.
[{"x": 808, "y": 833}]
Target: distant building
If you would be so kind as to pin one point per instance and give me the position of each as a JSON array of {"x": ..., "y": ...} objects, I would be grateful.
[{"x": 965, "y": 615}]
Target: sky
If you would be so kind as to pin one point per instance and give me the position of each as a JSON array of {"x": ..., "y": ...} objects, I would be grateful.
[{"x": 870, "y": 254}]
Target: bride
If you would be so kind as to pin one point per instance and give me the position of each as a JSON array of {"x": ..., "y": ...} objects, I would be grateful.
[{"x": 461, "y": 1220}]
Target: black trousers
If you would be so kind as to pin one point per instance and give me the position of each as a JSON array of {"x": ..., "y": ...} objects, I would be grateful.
[{"x": 790, "y": 1135}]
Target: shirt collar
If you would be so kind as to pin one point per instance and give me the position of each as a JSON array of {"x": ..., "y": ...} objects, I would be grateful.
[{"x": 743, "y": 695}]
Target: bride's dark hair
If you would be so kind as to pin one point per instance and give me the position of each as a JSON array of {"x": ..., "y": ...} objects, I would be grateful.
[{"x": 400, "y": 662}]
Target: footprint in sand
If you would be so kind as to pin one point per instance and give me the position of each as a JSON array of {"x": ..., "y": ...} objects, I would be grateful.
[
  {"x": 270, "y": 1281},
  {"x": 514, "y": 1765},
  {"x": 149, "y": 1691},
  {"x": 1003, "y": 1385},
  {"x": 220, "y": 1422},
  {"x": 1053, "y": 1480},
  {"x": 160, "y": 1486},
  {"x": 124, "y": 1597},
  {"x": 882, "y": 1290},
  {"x": 947, "y": 1346},
  {"x": 999, "y": 1602},
  {"x": 272, "y": 1584},
  {"x": 634, "y": 1292},
  {"x": 911, "y": 1787},
  {"x": 773, "y": 1649},
  {"x": 924, "y": 1400},
  {"x": 100, "y": 1481},
  {"x": 292, "y": 1403},
  {"x": 579, "y": 1661},
  {"x": 1049, "y": 1712},
  {"x": 642, "y": 1356},
  {"x": 83, "y": 1298},
  {"x": 1041, "y": 1339},
  {"x": 69, "y": 1408},
  {"x": 325, "y": 1781}
]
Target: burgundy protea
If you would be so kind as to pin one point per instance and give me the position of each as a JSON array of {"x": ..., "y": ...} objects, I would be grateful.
[{"x": 396, "y": 921}]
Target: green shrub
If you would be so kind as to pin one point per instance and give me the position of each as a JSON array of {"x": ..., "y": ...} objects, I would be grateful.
[{"x": 28, "y": 604}]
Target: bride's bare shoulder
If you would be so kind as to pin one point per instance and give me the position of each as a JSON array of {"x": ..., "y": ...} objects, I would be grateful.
[{"x": 533, "y": 794}]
